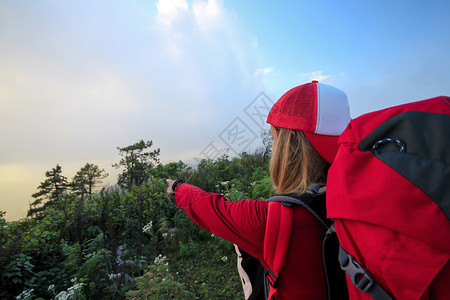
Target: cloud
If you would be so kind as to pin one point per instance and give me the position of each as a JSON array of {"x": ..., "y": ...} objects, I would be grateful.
[
  {"x": 170, "y": 11},
  {"x": 208, "y": 54},
  {"x": 77, "y": 81},
  {"x": 263, "y": 71},
  {"x": 207, "y": 14},
  {"x": 316, "y": 75},
  {"x": 113, "y": 88}
]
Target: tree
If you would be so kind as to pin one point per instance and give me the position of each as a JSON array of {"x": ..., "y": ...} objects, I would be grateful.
[
  {"x": 172, "y": 170},
  {"x": 87, "y": 178},
  {"x": 266, "y": 148},
  {"x": 137, "y": 159},
  {"x": 50, "y": 190}
]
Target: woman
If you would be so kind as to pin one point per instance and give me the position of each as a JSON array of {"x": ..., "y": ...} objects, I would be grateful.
[{"x": 306, "y": 122}]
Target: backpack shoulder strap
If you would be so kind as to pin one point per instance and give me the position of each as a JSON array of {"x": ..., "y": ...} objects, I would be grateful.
[
  {"x": 312, "y": 200},
  {"x": 309, "y": 203},
  {"x": 360, "y": 276},
  {"x": 278, "y": 231},
  {"x": 276, "y": 241}
]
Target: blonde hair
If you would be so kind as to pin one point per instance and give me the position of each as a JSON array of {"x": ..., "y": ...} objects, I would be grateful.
[{"x": 295, "y": 163}]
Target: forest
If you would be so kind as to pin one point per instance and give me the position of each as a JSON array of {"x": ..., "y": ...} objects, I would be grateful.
[{"x": 128, "y": 241}]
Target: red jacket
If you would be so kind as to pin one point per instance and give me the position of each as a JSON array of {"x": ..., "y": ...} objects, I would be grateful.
[{"x": 244, "y": 222}]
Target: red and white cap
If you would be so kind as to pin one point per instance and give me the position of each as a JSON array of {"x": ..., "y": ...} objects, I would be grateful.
[{"x": 321, "y": 111}]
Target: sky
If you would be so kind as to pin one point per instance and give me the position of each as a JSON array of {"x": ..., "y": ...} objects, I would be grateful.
[{"x": 80, "y": 78}]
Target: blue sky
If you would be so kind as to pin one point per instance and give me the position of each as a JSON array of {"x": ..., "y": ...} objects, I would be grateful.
[{"x": 80, "y": 78}]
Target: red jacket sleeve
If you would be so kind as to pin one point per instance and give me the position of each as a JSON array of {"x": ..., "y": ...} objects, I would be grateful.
[{"x": 242, "y": 222}]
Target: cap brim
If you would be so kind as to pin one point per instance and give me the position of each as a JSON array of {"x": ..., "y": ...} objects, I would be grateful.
[{"x": 326, "y": 145}]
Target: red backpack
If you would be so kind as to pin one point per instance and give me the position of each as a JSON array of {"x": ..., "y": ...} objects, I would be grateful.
[
  {"x": 278, "y": 232},
  {"x": 388, "y": 191}
]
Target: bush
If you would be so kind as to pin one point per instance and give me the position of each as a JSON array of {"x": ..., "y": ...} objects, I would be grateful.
[{"x": 158, "y": 283}]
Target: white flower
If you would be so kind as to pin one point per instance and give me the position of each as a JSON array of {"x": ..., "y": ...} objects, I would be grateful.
[
  {"x": 64, "y": 295},
  {"x": 225, "y": 259},
  {"x": 159, "y": 259},
  {"x": 114, "y": 276},
  {"x": 147, "y": 227},
  {"x": 25, "y": 294}
]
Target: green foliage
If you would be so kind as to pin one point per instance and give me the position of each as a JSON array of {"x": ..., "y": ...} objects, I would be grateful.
[
  {"x": 73, "y": 257},
  {"x": 93, "y": 274},
  {"x": 224, "y": 174},
  {"x": 159, "y": 283},
  {"x": 2, "y": 223},
  {"x": 136, "y": 160},
  {"x": 18, "y": 269},
  {"x": 192, "y": 266},
  {"x": 263, "y": 189},
  {"x": 49, "y": 191},
  {"x": 171, "y": 170},
  {"x": 78, "y": 244},
  {"x": 87, "y": 178}
]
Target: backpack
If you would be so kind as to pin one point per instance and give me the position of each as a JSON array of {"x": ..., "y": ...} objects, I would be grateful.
[
  {"x": 389, "y": 195},
  {"x": 252, "y": 275},
  {"x": 278, "y": 231}
]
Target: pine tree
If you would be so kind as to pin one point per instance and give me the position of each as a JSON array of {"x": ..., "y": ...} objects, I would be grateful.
[
  {"x": 87, "y": 178},
  {"x": 138, "y": 160},
  {"x": 50, "y": 191}
]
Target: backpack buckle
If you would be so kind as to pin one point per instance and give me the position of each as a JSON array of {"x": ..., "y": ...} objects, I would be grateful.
[
  {"x": 272, "y": 279},
  {"x": 360, "y": 277},
  {"x": 331, "y": 230}
]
